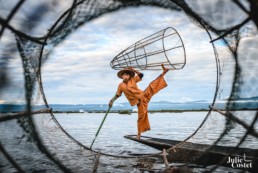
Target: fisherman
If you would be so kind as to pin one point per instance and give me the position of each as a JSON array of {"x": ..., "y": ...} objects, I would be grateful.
[{"x": 138, "y": 97}]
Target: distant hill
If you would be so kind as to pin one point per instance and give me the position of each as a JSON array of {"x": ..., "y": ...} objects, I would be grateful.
[{"x": 245, "y": 103}]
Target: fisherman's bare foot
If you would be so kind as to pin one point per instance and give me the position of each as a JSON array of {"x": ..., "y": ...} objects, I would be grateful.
[
  {"x": 138, "y": 136},
  {"x": 165, "y": 70}
]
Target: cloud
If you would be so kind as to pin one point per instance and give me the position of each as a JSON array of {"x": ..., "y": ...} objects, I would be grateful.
[{"x": 78, "y": 70}]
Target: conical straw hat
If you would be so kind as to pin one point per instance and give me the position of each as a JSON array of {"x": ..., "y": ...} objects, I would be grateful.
[{"x": 130, "y": 72}]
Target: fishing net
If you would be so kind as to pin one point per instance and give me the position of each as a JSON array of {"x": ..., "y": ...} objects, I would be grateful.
[
  {"x": 34, "y": 136},
  {"x": 164, "y": 47}
]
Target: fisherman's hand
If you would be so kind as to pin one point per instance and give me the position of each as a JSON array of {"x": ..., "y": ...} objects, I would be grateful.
[
  {"x": 110, "y": 103},
  {"x": 131, "y": 68},
  {"x": 136, "y": 71}
]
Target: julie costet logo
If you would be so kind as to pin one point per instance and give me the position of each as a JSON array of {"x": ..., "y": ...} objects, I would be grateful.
[{"x": 239, "y": 162}]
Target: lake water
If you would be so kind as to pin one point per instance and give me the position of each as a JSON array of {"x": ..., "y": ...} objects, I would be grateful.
[
  {"x": 83, "y": 127},
  {"x": 175, "y": 126}
]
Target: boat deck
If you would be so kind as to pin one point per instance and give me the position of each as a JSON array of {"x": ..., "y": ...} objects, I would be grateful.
[{"x": 200, "y": 154}]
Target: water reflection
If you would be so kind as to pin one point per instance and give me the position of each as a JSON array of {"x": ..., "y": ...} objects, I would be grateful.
[{"x": 175, "y": 126}]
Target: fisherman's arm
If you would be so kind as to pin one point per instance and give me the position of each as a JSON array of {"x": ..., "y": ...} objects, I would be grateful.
[
  {"x": 118, "y": 94},
  {"x": 112, "y": 100}
]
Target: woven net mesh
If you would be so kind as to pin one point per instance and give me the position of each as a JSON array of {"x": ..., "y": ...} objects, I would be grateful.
[{"x": 41, "y": 136}]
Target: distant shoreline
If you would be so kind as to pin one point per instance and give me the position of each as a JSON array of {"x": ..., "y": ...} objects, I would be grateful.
[
  {"x": 13, "y": 114},
  {"x": 149, "y": 111},
  {"x": 120, "y": 111},
  {"x": 123, "y": 111},
  {"x": 126, "y": 108},
  {"x": 129, "y": 111}
]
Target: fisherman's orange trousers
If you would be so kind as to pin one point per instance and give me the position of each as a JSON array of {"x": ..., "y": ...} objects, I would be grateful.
[{"x": 155, "y": 86}]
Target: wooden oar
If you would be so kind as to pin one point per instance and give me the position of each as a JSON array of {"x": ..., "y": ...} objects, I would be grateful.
[{"x": 100, "y": 126}]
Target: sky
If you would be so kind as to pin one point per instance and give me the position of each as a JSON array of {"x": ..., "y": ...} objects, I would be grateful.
[{"x": 78, "y": 70}]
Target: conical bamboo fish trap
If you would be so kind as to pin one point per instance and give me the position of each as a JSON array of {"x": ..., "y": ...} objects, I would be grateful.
[{"x": 163, "y": 47}]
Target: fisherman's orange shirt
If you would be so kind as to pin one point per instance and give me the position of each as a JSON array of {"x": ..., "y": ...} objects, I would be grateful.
[{"x": 131, "y": 90}]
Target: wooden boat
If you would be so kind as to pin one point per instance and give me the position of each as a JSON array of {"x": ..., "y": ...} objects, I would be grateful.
[{"x": 202, "y": 154}]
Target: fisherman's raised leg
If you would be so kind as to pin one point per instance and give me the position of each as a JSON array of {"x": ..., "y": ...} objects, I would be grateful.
[{"x": 156, "y": 85}]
